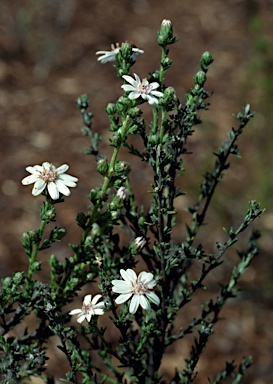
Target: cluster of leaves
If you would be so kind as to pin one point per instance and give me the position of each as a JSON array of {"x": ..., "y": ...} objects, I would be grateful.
[{"x": 142, "y": 338}]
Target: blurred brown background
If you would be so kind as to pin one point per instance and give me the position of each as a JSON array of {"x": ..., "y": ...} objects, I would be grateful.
[{"x": 47, "y": 59}]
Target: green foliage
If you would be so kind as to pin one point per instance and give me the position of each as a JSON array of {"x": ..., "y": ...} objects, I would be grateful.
[{"x": 142, "y": 338}]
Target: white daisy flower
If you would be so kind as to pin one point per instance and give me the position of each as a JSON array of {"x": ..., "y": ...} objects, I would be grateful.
[
  {"x": 47, "y": 175},
  {"x": 89, "y": 308},
  {"x": 141, "y": 88},
  {"x": 111, "y": 55},
  {"x": 140, "y": 287}
]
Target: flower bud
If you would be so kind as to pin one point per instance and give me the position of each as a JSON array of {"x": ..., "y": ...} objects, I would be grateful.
[
  {"x": 111, "y": 109},
  {"x": 59, "y": 233},
  {"x": 200, "y": 78},
  {"x": 165, "y": 34},
  {"x": 122, "y": 193},
  {"x": 205, "y": 61},
  {"x": 102, "y": 167},
  {"x": 140, "y": 242}
]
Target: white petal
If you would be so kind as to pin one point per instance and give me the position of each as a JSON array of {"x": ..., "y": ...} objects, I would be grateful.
[
  {"x": 38, "y": 188},
  {"x": 120, "y": 286},
  {"x": 30, "y": 179},
  {"x": 130, "y": 80},
  {"x": 137, "y": 79},
  {"x": 153, "y": 297},
  {"x": 62, "y": 188},
  {"x": 62, "y": 169},
  {"x": 129, "y": 275},
  {"x": 134, "y": 95},
  {"x": 147, "y": 278},
  {"x": 157, "y": 93},
  {"x": 75, "y": 311},
  {"x": 68, "y": 180},
  {"x": 154, "y": 85},
  {"x": 134, "y": 304},
  {"x": 96, "y": 299},
  {"x": 99, "y": 311},
  {"x": 122, "y": 298},
  {"x": 53, "y": 190},
  {"x": 46, "y": 165},
  {"x": 128, "y": 88},
  {"x": 88, "y": 316},
  {"x": 80, "y": 318},
  {"x": 137, "y": 51},
  {"x": 151, "y": 100},
  {"x": 36, "y": 169},
  {"x": 87, "y": 299},
  {"x": 144, "y": 303},
  {"x": 102, "y": 52}
]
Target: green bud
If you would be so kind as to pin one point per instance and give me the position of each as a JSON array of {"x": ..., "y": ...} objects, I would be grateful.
[
  {"x": 154, "y": 140},
  {"x": 58, "y": 233},
  {"x": 96, "y": 195},
  {"x": 48, "y": 212},
  {"x": 117, "y": 139},
  {"x": 111, "y": 109},
  {"x": 114, "y": 215},
  {"x": 18, "y": 277},
  {"x": 95, "y": 231},
  {"x": 122, "y": 167},
  {"x": 200, "y": 78},
  {"x": 102, "y": 167},
  {"x": 165, "y": 34},
  {"x": 123, "y": 104},
  {"x": 125, "y": 51},
  {"x": 83, "y": 101},
  {"x": 166, "y": 63},
  {"x": 134, "y": 112},
  {"x": 7, "y": 282},
  {"x": 205, "y": 61}
]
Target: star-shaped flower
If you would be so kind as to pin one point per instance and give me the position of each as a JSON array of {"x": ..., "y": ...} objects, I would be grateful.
[
  {"x": 89, "y": 308},
  {"x": 141, "y": 88},
  {"x": 47, "y": 175},
  {"x": 140, "y": 287},
  {"x": 107, "y": 56}
]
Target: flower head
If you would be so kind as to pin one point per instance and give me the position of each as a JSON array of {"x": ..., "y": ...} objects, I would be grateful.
[
  {"x": 140, "y": 242},
  {"x": 122, "y": 193},
  {"x": 47, "y": 175},
  {"x": 141, "y": 88},
  {"x": 140, "y": 287},
  {"x": 89, "y": 308},
  {"x": 111, "y": 55}
]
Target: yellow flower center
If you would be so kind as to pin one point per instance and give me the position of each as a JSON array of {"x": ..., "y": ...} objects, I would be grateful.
[{"x": 49, "y": 175}]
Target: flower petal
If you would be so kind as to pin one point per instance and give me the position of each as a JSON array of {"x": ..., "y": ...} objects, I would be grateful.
[
  {"x": 53, "y": 190},
  {"x": 134, "y": 95},
  {"x": 120, "y": 286},
  {"x": 130, "y": 80},
  {"x": 96, "y": 299},
  {"x": 134, "y": 304},
  {"x": 62, "y": 169},
  {"x": 87, "y": 299},
  {"x": 38, "y": 187},
  {"x": 68, "y": 180},
  {"x": 144, "y": 303},
  {"x": 122, "y": 298},
  {"x": 129, "y": 275},
  {"x": 75, "y": 311},
  {"x": 153, "y": 297},
  {"x": 30, "y": 179},
  {"x": 80, "y": 318},
  {"x": 128, "y": 88},
  {"x": 62, "y": 188}
]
